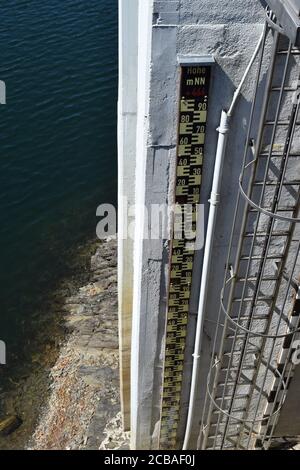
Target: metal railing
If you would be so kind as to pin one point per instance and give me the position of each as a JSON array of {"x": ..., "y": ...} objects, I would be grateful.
[{"x": 255, "y": 320}]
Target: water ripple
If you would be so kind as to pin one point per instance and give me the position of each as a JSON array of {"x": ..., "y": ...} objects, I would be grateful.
[{"x": 57, "y": 138}]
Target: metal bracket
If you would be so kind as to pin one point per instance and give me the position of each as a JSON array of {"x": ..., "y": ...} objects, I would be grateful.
[
  {"x": 288, "y": 15},
  {"x": 194, "y": 60}
]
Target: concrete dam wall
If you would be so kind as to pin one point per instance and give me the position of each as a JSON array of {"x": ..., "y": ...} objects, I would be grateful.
[{"x": 224, "y": 383}]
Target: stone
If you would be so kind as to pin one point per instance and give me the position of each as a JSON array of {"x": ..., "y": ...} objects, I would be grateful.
[{"x": 9, "y": 424}]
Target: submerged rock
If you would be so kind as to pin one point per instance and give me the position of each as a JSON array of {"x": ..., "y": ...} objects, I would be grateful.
[
  {"x": 27, "y": 387},
  {"x": 9, "y": 424},
  {"x": 85, "y": 378}
]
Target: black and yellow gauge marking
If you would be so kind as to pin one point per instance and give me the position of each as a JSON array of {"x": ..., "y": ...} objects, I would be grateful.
[{"x": 193, "y": 108}]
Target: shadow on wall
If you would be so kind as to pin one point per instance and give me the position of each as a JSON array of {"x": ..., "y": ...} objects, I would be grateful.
[
  {"x": 264, "y": 3},
  {"x": 221, "y": 95}
]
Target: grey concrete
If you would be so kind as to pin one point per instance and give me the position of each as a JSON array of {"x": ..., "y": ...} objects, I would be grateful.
[
  {"x": 289, "y": 421},
  {"x": 181, "y": 27}
]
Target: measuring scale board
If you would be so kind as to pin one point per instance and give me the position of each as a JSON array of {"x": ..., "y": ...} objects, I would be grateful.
[{"x": 194, "y": 89}]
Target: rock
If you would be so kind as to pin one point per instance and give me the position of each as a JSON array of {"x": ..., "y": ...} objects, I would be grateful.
[
  {"x": 103, "y": 340},
  {"x": 9, "y": 425},
  {"x": 103, "y": 377},
  {"x": 85, "y": 388}
]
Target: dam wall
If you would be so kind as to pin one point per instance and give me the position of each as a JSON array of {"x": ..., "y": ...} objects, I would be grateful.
[{"x": 156, "y": 36}]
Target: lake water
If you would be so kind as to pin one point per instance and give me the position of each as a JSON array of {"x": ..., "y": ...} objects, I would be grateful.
[{"x": 57, "y": 142}]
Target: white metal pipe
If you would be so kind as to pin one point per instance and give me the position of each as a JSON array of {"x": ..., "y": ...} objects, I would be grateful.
[{"x": 223, "y": 130}]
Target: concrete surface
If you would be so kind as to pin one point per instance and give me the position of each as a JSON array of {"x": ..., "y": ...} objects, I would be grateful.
[
  {"x": 127, "y": 119},
  {"x": 168, "y": 28}
]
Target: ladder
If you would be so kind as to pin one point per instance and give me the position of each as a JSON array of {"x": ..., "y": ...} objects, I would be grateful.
[{"x": 255, "y": 319}]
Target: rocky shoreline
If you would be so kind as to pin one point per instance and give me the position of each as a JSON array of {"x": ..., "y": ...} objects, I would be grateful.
[
  {"x": 70, "y": 398},
  {"x": 82, "y": 409},
  {"x": 85, "y": 379}
]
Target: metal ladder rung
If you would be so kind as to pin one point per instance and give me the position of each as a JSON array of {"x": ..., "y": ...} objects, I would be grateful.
[
  {"x": 253, "y": 318},
  {"x": 254, "y": 279},
  {"x": 280, "y": 209},
  {"x": 280, "y": 123},
  {"x": 235, "y": 410},
  {"x": 230, "y": 436},
  {"x": 286, "y": 88},
  {"x": 265, "y": 234},
  {"x": 250, "y": 299},
  {"x": 246, "y": 427},
  {"x": 257, "y": 257},
  {"x": 242, "y": 336},
  {"x": 232, "y": 383},
  {"x": 286, "y": 52},
  {"x": 275, "y": 183},
  {"x": 227, "y": 448},
  {"x": 237, "y": 369},
  {"x": 234, "y": 353},
  {"x": 277, "y": 155},
  {"x": 229, "y": 397}
]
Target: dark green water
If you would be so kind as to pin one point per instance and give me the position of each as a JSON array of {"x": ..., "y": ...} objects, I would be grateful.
[{"x": 57, "y": 142}]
